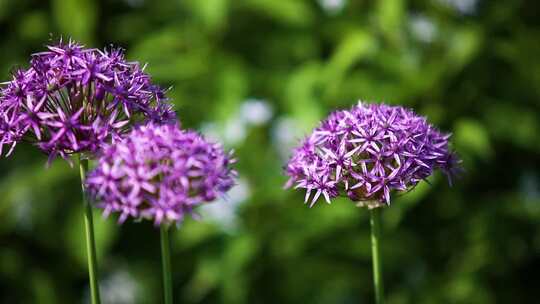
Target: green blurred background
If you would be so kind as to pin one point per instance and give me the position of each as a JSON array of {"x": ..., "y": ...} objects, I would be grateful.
[{"x": 258, "y": 75}]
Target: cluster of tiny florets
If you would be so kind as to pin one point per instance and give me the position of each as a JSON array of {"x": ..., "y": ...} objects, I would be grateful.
[
  {"x": 367, "y": 153},
  {"x": 72, "y": 99},
  {"x": 159, "y": 172}
]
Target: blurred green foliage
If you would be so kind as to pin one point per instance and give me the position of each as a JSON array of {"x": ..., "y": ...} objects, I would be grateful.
[{"x": 258, "y": 75}]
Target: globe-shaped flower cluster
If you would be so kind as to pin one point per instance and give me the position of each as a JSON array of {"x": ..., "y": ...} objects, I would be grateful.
[
  {"x": 367, "y": 153},
  {"x": 159, "y": 172},
  {"x": 72, "y": 99}
]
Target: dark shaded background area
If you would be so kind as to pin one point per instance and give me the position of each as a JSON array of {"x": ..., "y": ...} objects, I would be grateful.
[{"x": 258, "y": 75}]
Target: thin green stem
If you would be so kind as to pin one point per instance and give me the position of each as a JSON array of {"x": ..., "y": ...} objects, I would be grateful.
[
  {"x": 166, "y": 262},
  {"x": 375, "y": 220},
  {"x": 90, "y": 240}
]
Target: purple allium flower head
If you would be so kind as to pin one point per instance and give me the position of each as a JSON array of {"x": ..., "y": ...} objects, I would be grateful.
[
  {"x": 159, "y": 172},
  {"x": 71, "y": 99},
  {"x": 367, "y": 153}
]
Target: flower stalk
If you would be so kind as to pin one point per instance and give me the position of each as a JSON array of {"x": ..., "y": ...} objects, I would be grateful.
[
  {"x": 375, "y": 220},
  {"x": 90, "y": 239},
  {"x": 166, "y": 264}
]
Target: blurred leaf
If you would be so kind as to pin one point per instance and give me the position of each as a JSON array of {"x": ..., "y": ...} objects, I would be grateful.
[
  {"x": 4, "y": 8},
  {"x": 354, "y": 47},
  {"x": 11, "y": 263},
  {"x": 213, "y": 13},
  {"x": 237, "y": 256},
  {"x": 204, "y": 280},
  {"x": 43, "y": 288},
  {"x": 390, "y": 15},
  {"x": 31, "y": 186},
  {"x": 472, "y": 137},
  {"x": 182, "y": 54},
  {"x": 301, "y": 97},
  {"x": 34, "y": 26},
  {"x": 292, "y": 12},
  {"x": 521, "y": 51},
  {"x": 462, "y": 46},
  {"x": 76, "y": 18},
  {"x": 233, "y": 85},
  {"x": 515, "y": 125},
  {"x": 192, "y": 233}
]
